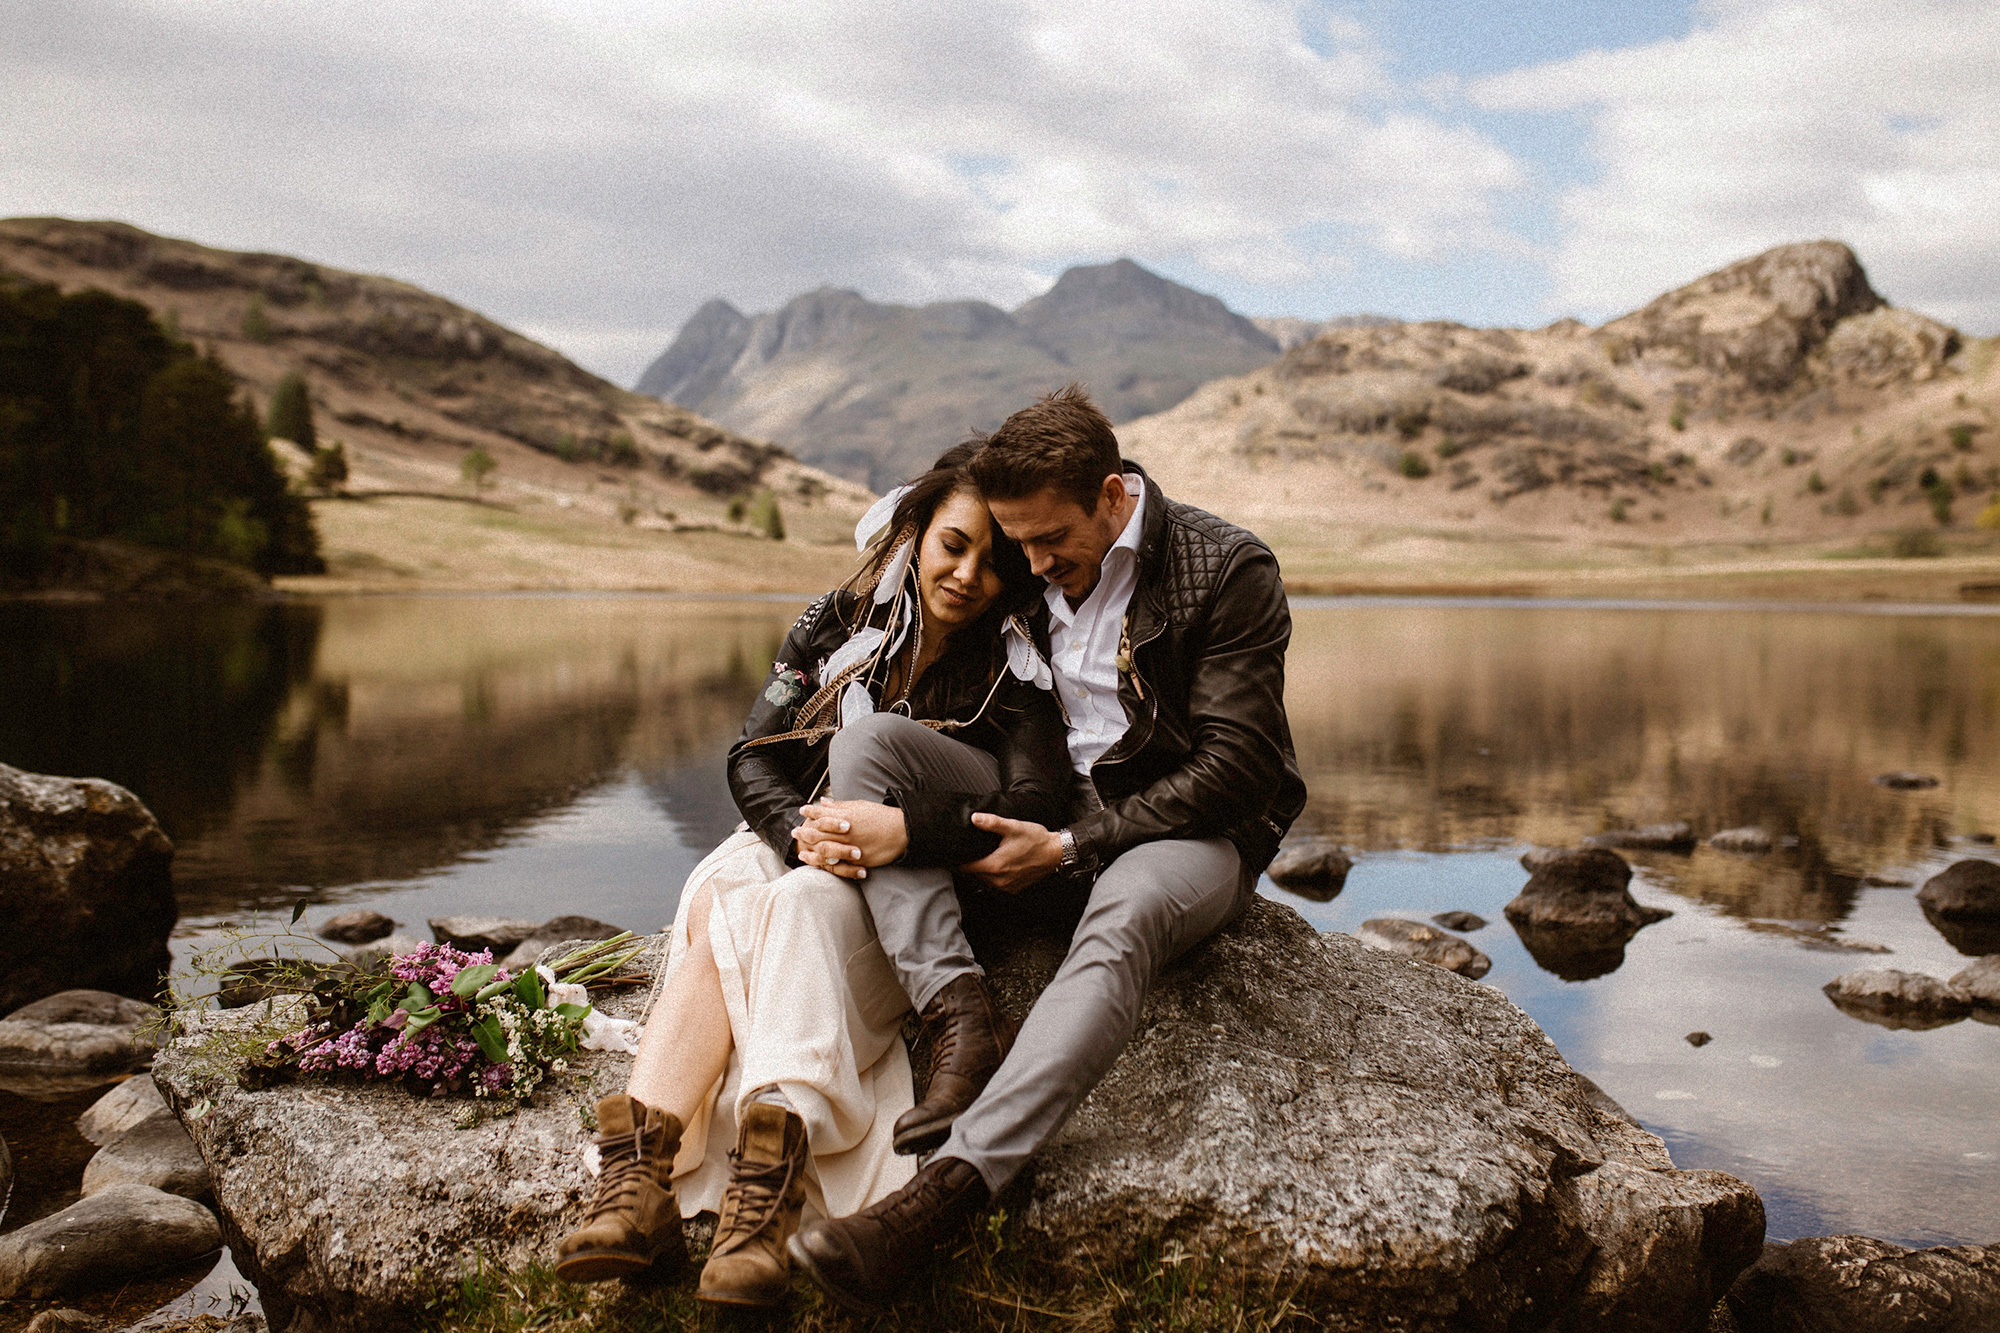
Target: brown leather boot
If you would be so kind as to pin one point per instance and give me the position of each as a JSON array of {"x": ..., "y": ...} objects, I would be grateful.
[
  {"x": 864, "y": 1261},
  {"x": 969, "y": 1038},
  {"x": 760, "y": 1210},
  {"x": 634, "y": 1222}
]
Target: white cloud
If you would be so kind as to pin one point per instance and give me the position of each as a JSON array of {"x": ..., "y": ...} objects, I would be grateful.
[
  {"x": 595, "y": 168},
  {"x": 1786, "y": 120}
]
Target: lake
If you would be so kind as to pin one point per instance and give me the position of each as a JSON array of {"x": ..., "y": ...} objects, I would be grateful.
[{"x": 530, "y": 755}]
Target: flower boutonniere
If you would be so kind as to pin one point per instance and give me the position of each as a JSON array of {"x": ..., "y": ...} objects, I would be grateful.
[{"x": 787, "y": 687}]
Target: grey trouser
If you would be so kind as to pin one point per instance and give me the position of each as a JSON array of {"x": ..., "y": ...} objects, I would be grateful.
[{"x": 1147, "y": 907}]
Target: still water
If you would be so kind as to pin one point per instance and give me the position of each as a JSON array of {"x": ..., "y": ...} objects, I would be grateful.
[{"x": 535, "y": 755}]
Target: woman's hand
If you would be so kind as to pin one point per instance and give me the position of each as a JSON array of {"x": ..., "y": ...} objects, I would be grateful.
[{"x": 846, "y": 837}]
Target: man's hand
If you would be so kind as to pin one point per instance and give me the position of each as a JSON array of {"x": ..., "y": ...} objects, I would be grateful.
[
  {"x": 846, "y": 836},
  {"x": 1027, "y": 853}
]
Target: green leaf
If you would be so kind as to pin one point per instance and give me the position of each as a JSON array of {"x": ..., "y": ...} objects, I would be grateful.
[
  {"x": 419, "y": 997},
  {"x": 575, "y": 1011},
  {"x": 421, "y": 1019},
  {"x": 467, "y": 983},
  {"x": 529, "y": 987},
  {"x": 298, "y": 910},
  {"x": 378, "y": 1010},
  {"x": 491, "y": 1038}
]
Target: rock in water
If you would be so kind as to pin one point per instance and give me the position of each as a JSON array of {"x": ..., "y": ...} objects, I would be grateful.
[
  {"x": 1905, "y": 781},
  {"x": 1312, "y": 868},
  {"x": 158, "y": 1153},
  {"x": 356, "y": 927},
  {"x": 473, "y": 933},
  {"x": 1854, "y": 1284},
  {"x": 555, "y": 931},
  {"x": 1898, "y": 999},
  {"x": 1463, "y": 921},
  {"x": 1396, "y": 1145},
  {"x": 1981, "y": 981},
  {"x": 125, "y": 1107},
  {"x": 1425, "y": 943},
  {"x": 1966, "y": 891},
  {"x": 84, "y": 889},
  {"x": 73, "y": 1039},
  {"x": 1749, "y": 839},
  {"x": 1674, "y": 837},
  {"x": 375, "y": 951},
  {"x": 1575, "y": 914},
  {"x": 123, "y": 1232}
]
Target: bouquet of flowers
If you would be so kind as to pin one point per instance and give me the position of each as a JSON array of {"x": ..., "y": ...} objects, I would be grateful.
[{"x": 446, "y": 1021}]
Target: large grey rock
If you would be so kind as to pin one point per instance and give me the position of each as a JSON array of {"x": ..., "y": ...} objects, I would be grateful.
[
  {"x": 473, "y": 933},
  {"x": 123, "y": 1232},
  {"x": 1313, "y": 868},
  {"x": 1575, "y": 914},
  {"x": 347, "y": 1204},
  {"x": 125, "y": 1107},
  {"x": 1898, "y": 999},
  {"x": 84, "y": 888},
  {"x": 1855, "y": 1284},
  {"x": 1674, "y": 837},
  {"x": 73, "y": 1039},
  {"x": 1428, "y": 944},
  {"x": 1749, "y": 839},
  {"x": 356, "y": 927},
  {"x": 375, "y": 951},
  {"x": 554, "y": 931},
  {"x": 1965, "y": 891},
  {"x": 1981, "y": 981},
  {"x": 156, "y": 1152}
]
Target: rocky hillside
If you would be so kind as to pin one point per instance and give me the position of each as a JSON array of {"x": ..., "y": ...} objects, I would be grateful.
[
  {"x": 410, "y": 383},
  {"x": 874, "y": 392},
  {"x": 1778, "y": 397}
]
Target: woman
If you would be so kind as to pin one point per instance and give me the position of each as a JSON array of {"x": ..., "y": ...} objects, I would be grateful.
[{"x": 777, "y": 1025}]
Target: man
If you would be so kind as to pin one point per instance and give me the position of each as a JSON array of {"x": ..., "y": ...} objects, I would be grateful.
[{"x": 1166, "y": 630}]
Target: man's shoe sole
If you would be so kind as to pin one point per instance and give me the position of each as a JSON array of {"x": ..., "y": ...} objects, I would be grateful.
[
  {"x": 608, "y": 1265},
  {"x": 771, "y": 1302},
  {"x": 844, "y": 1299},
  {"x": 920, "y": 1139}
]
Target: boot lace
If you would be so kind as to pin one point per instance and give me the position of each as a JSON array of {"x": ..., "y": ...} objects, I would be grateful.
[
  {"x": 619, "y": 1174},
  {"x": 756, "y": 1193}
]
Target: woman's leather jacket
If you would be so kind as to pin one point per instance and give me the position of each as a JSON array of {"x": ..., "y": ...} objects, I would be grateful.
[{"x": 1020, "y": 725}]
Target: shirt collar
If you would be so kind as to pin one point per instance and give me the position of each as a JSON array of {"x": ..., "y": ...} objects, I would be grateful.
[{"x": 1125, "y": 549}]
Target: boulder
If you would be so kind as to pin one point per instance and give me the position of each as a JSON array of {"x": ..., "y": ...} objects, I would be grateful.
[
  {"x": 1898, "y": 999},
  {"x": 1674, "y": 837},
  {"x": 1965, "y": 891},
  {"x": 125, "y": 1107},
  {"x": 84, "y": 889},
  {"x": 1313, "y": 868},
  {"x": 554, "y": 931},
  {"x": 1388, "y": 1142},
  {"x": 1463, "y": 921},
  {"x": 1854, "y": 1284},
  {"x": 1981, "y": 981},
  {"x": 375, "y": 951},
  {"x": 1426, "y": 943},
  {"x": 356, "y": 927},
  {"x": 122, "y": 1232},
  {"x": 1748, "y": 839},
  {"x": 158, "y": 1153},
  {"x": 1575, "y": 914},
  {"x": 473, "y": 933},
  {"x": 1905, "y": 781},
  {"x": 73, "y": 1039},
  {"x": 1698, "y": 1039}
]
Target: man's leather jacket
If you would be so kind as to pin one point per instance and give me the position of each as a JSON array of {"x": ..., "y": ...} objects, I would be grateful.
[
  {"x": 1020, "y": 725},
  {"x": 1208, "y": 751}
]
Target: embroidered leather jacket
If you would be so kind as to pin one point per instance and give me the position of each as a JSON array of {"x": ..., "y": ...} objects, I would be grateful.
[
  {"x": 1019, "y": 724},
  {"x": 1202, "y": 677}
]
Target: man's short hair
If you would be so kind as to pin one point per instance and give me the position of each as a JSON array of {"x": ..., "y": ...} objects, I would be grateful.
[{"x": 1062, "y": 440}]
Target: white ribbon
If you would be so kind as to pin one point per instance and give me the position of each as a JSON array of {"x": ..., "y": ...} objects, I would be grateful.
[{"x": 601, "y": 1032}]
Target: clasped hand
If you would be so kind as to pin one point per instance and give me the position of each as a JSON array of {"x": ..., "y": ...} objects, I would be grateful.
[{"x": 846, "y": 837}]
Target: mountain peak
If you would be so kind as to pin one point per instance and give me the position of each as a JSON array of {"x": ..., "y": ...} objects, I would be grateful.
[{"x": 1123, "y": 303}]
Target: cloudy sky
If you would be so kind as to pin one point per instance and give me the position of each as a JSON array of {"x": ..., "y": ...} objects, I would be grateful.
[{"x": 591, "y": 170}]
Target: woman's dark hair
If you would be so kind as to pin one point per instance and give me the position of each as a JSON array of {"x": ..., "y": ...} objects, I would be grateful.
[{"x": 950, "y": 474}]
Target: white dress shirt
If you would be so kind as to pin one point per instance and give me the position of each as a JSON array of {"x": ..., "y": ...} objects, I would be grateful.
[{"x": 1083, "y": 643}]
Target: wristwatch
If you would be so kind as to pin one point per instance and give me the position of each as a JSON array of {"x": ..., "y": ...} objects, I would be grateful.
[{"x": 1073, "y": 861}]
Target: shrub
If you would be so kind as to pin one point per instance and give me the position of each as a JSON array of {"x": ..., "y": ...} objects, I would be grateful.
[
  {"x": 566, "y": 447},
  {"x": 329, "y": 467},
  {"x": 762, "y": 514},
  {"x": 1618, "y": 510},
  {"x": 1789, "y": 457},
  {"x": 1813, "y": 483},
  {"x": 1413, "y": 466},
  {"x": 1989, "y": 517},
  {"x": 1410, "y": 424},
  {"x": 291, "y": 417},
  {"x": 256, "y": 324},
  {"x": 477, "y": 467},
  {"x": 1961, "y": 435},
  {"x": 1941, "y": 495},
  {"x": 1678, "y": 417},
  {"x": 1449, "y": 448},
  {"x": 621, "y": 450},
  {"x": 1918, "y": 544}
]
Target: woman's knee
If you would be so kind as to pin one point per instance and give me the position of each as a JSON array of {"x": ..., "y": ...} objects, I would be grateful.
[{"x": 862, "y": 761}]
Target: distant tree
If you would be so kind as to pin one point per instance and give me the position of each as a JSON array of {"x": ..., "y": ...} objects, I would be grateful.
[
  {"x": 763, "y": 515},
  {"x": 329, "y": 468},
  {"x": 621, "y": 450},
  {"x": 291, "y": 414},
  {"x": 109, "y": 427},
  {"x": 476, "y": 467},
  {"x": 256, "y": 324}
]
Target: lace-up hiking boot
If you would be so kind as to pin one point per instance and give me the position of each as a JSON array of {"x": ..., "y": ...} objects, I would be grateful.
[
  {"x": 969, "y": 1038},
  {"x": 760, "y": 1210},
  {"x": 864, "y": 1261},
  {"x": 634, "y": 1222}
]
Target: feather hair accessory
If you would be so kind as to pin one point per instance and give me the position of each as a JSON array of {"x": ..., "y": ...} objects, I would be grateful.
[
  {"x": 876, "y": 520},
  {"x": 1023, "y": 658}
]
